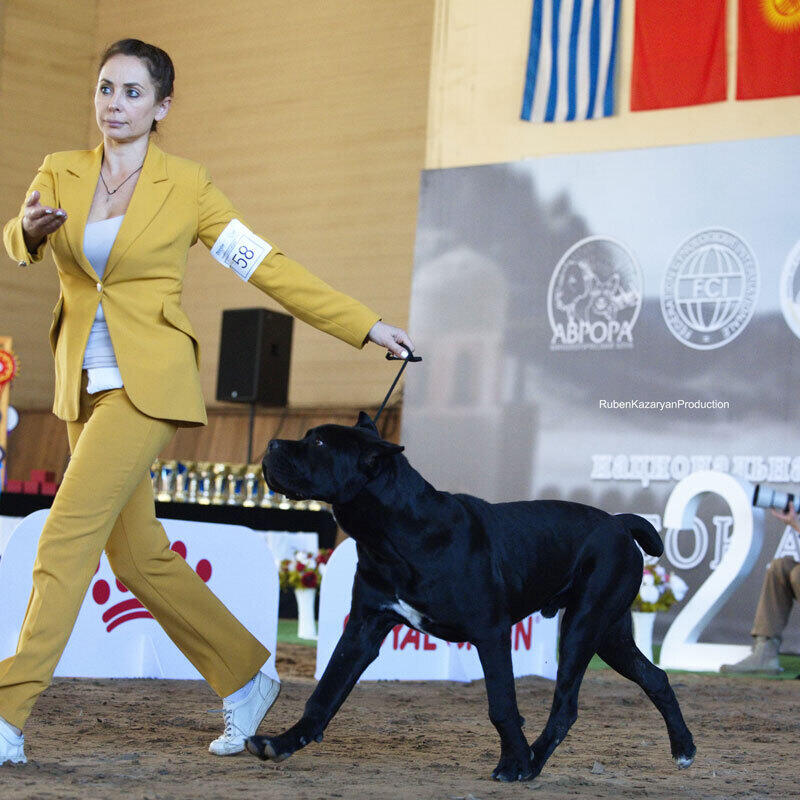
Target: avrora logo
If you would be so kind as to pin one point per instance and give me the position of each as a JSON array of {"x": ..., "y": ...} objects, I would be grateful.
[
  {"x": 790, "y": 290},
  {"x": 710, "y": 289},
  {"x": 594, "y": 296}
]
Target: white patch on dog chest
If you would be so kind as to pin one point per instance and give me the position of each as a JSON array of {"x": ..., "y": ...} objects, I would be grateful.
[{"x": 411, "y": 615}]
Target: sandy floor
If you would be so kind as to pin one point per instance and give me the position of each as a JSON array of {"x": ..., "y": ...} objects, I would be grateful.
[{"x": 148, "y": 739}]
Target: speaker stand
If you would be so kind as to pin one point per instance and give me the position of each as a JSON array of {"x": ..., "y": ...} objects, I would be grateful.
[{"x": 250, "y": 433}]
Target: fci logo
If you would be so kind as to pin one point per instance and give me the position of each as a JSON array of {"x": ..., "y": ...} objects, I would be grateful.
[{"x": 710, "y": 289}]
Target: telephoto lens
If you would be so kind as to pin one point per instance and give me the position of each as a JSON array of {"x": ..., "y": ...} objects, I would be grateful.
[{"x": 764, "y": 497}]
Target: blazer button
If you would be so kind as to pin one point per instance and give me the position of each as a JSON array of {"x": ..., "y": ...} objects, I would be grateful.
[{"x": 99, "y": 287}]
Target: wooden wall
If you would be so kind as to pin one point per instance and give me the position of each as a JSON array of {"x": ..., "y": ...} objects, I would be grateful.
[
  {"x": 46, "y": 75},
  {"x": 311, "y": 116}
]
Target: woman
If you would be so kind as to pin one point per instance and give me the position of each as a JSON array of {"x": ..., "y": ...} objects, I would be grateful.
[{"x": 120, "y": 220}]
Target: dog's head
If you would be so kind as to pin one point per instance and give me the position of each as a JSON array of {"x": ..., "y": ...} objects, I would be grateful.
[{"x": 332, "y": 463}]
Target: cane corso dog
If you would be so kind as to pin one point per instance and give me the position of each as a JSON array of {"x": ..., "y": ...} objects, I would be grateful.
[{"x": 465, "y": 570}]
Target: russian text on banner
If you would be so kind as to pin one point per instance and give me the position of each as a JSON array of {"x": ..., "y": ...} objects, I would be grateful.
[
  {"x": 769, "y": 49},
  {"x": 571, "y": 60},
  {"x": 678, "y": 54}
]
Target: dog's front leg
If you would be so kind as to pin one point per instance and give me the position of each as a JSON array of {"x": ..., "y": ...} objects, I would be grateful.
[
  {"x": 515, "y": 755},
  {"x": 358, "y": 646}
]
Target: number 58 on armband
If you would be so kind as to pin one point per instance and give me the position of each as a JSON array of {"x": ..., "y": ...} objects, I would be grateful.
[{"x": 239, "y": 249}]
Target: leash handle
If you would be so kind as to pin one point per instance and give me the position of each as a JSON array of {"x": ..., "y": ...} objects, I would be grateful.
[{"x": 389, "y": 357}]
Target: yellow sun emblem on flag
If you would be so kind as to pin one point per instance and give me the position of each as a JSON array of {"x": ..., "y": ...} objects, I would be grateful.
[{"x": 782, "y": 14}]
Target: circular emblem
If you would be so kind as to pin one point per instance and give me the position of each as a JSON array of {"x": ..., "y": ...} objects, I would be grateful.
[
  {"x": 594, "y": 296},
  {"x": 783, "y": 14},
  {"x": 710, "y": 289},
  {"x": 8, "y": 366},
  {"x": 790, "y": 290}
]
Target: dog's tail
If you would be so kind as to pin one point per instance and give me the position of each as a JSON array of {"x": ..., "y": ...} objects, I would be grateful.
[{"x": 644, "y": 533}]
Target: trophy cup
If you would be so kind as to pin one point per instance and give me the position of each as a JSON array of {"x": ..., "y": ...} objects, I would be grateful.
[
  {"x": 155, "y": 474},
  {"x": 220, "y": 484},
  {"x": 181, "y": 481},
  {"x": 204, "y": 483},
  {"x": 251, "y": 481},
  {"x": 235, "y": 480},
  {"x": 166, "y": 482},
  {"x": 268, "y": 498},
  {"x": 192, "y": 481}
]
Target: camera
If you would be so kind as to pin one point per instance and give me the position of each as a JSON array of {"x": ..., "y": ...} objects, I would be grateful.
[{"x": 764, "y": 497}]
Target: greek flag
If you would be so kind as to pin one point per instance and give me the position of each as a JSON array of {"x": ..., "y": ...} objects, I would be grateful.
[{"x": 571, "y": 60}]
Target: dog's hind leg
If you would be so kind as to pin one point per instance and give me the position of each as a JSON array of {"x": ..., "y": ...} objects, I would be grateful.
[
  {"x": 357, "y": 647},
  {"x": 576, "y": 648},
  {"x": 515, "y": 756},
  {"x": 620, "y": 653}
]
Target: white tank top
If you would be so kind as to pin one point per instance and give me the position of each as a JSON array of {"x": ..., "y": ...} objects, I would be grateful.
[{"x": 99, "y": 359}]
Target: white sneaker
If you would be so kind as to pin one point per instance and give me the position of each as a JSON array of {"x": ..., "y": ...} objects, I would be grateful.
[
  {"x": 11, "y": 745},
  {"x": 243, "y": 718}
]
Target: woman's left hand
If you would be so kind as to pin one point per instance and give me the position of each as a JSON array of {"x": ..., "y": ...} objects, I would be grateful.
[{"x": 395, "y": 340}]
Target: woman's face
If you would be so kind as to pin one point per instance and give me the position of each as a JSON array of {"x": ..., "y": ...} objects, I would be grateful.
[{"x": 125, "y": 99}]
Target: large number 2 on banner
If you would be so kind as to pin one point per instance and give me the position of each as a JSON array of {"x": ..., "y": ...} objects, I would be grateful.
[{"x": 681, "y": 649}]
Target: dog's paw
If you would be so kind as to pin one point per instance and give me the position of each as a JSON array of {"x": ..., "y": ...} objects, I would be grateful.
[
  {"x": 265, "y": 749},
  {"x": 684, "y": 760},
  {"x": 513, "y": 768}
]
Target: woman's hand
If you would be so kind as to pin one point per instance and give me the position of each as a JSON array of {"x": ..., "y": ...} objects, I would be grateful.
[
  {"x": 40, "y": 221},
  {"x": 395, "y": 340}
]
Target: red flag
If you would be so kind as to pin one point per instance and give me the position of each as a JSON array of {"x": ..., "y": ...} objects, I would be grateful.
[
  {"x": 769, "y": 49},
  {"x": 678, "y": 54}
]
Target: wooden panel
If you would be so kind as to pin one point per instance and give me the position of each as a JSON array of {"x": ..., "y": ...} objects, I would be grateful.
[
  {"x": 46, "y": 80},
  {"x": 40, "y": 440}
]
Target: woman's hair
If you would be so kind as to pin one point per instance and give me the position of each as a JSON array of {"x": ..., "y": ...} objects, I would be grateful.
[{"x": 158, "y": 63}]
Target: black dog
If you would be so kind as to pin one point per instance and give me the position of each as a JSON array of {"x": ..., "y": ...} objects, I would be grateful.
[{"x": 465, "y": 570}]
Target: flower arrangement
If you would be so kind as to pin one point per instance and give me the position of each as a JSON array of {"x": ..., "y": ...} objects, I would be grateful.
[
  {"x": 659, "y": 589},
  {"x": 304, "y": 570}
]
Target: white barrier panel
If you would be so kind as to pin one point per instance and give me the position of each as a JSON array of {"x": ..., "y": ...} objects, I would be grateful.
[
  {"x": 7, "y": 525},
  {"x": 115, "y": 636},
  {"x": 410, "y": 655}
]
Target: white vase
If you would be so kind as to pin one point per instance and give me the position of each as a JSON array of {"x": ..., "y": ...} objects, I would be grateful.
[
  {"x": 643, "y": 631},
  {"x": 306, "y": 624}
]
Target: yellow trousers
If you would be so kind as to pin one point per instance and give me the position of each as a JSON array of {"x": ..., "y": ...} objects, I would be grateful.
[{"x": 106, "y": 502}]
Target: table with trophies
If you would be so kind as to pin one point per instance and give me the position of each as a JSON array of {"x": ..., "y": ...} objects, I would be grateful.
[{"x": 204, "y": 491}]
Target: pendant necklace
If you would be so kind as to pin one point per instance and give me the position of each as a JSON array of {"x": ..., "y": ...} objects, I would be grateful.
[{"x": 114, "y": 191}]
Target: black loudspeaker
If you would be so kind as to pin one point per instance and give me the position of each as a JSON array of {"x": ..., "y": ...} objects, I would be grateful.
[{"x": 254, "y": 352}]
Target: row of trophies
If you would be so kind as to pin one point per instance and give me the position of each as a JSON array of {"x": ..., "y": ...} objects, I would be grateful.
[{"x": 206, "y": 483}]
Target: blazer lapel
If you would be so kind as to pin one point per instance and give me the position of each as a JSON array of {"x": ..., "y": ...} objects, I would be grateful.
[
  {"x": 76, "y": 190},
  {"x": 151, "y": 191}
]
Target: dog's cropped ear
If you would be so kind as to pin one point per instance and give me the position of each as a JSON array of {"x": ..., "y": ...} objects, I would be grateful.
[
  {"x": 365, "y": 421},
  {"x": 374, "y": 453}
]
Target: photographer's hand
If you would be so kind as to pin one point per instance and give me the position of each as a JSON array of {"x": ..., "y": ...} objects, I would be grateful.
[{"x": 789, "y": 517}]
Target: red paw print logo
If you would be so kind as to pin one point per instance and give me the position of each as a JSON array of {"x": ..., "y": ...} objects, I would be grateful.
[{"x": 126, "y": 610}]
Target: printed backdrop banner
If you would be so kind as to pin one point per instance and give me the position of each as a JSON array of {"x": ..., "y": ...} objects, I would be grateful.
[
  {"x": 114, "y": 636},
  {"x": 408, "y": 654},
  {"x": 596, "y": 327}
]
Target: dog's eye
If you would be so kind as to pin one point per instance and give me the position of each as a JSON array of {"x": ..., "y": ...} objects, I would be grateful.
[{"x": 319, "y": 443}]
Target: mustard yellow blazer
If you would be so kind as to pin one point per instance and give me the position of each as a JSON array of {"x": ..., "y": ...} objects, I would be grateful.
[{"x": 174, "y": 204}]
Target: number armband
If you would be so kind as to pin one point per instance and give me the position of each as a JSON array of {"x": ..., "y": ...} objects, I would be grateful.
[{"x": 239, "y": 249}]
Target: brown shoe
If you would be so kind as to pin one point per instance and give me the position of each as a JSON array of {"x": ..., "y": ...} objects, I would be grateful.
[{"x": 764, "y": 658}]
